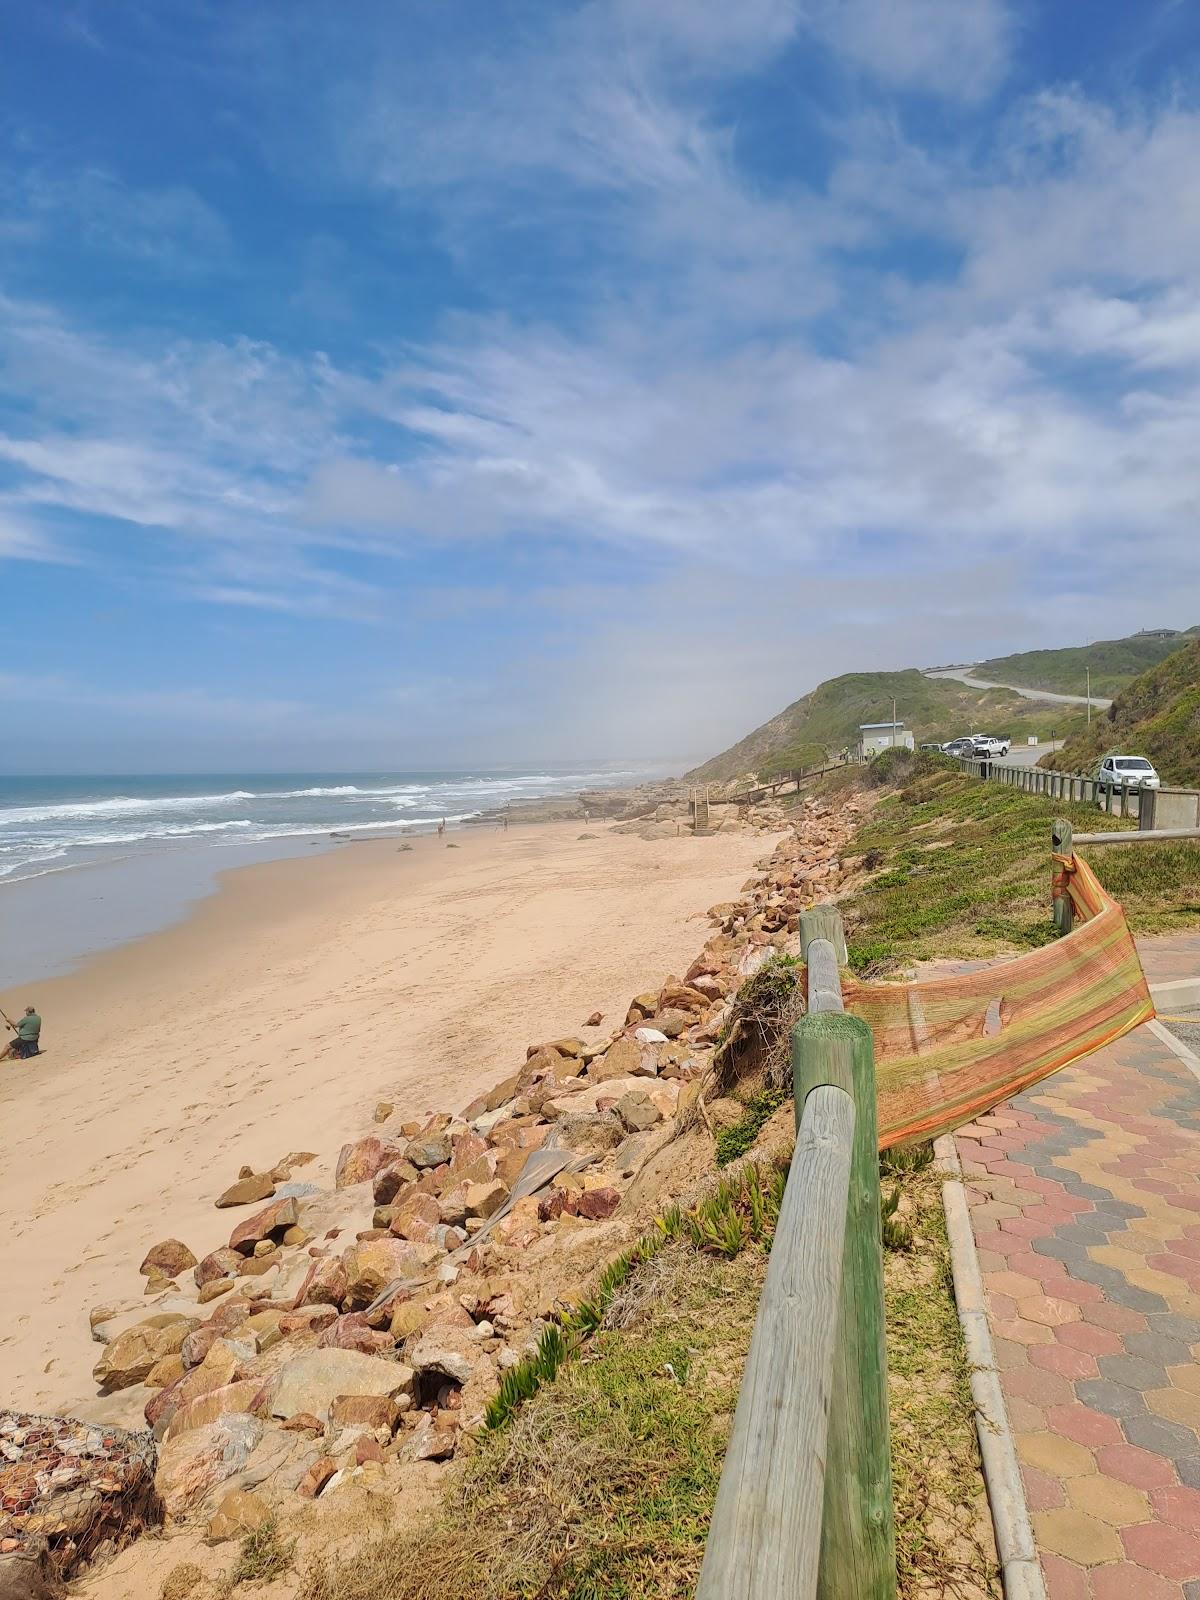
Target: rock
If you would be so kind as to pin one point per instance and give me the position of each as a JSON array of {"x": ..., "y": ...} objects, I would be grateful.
[
  {"x": 240, "y": 1512},
  {"x": 650, "y": 1036},
  {"x": 384, "y": 1110},
  {"x": 165, "y": 1372},
  {"x": 672, "y": 1022},
  {"x": 623, "y": 1059},
  {"x": 248, "y": 1191},
  {"x": 214, "y": 1289},
  {"x": 272, "y": 1219},
  {"x": 589, "y": 1132},
  {"x": 193, "y": 1465},
  {"x": 485, "y": 1199},
  {"x": 131, "y": 1357},
  {"x": 168, "y": 1256},
  {"x": 313, "y": 1380},
  {"x": 596, "y": 1204},
  {"x": 446, "y": 1350},
  {"x": 373, "y": 1264},
  {"x": 223, "y": 1401},
  {"x": 378, "y": 1412},
  {"x": 223, "y": 1263},
  {"x": 360, "y": 1161},
  {"x": 594, "y": 1021},
  {"x": 390, "y": 1180},
  {"x": 325, "y": 1283},
  {"x": 431, "y": 1151},
  {"x": 642, "y": 1005},
  {"x": 408, "y": 1318},
  {"x": 428, "y": 1443},
  {"x": 315, "y": 1479},
  {"x": 637, "y": 1111},
  {"x": 416, "y": 1208},
  {"x": 24, "y": 1572},
  {"x": 353, "y": 1332}
]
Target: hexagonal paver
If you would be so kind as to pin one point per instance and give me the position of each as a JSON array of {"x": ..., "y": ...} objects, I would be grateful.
[
  {"x": 1086, "y": 1336},
  {"x": 1065, "y": 1580},
  {"x": 1114, "y": 1399},
  {"x": 1177, "y": 1405},
  {"x": 1044, "y": 1491},
  {"x": 1142, "y": 1468},
  {"x": 1185, "y": 1376},
  {"x": 1177, "y": 1506},
  {"x": 1048, "y": 1309},
  {"x": 1078, "y": 1537},
  {"x": 1052, "y": 1453},
  {"x": 1080, "y": 1423},
  {"x": 1109, "y": 1500},
  {"x": 1173, "y": 1552},
  {"x": 1062, "y": 1359},
  {"x": 1124, "y": 1581}
]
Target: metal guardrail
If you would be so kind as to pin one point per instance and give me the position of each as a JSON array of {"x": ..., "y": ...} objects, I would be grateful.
[{"x": 805, "y": 1502}]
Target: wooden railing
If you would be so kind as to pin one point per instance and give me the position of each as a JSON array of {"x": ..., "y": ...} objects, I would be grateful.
[{"x": 805, "y": 1503}]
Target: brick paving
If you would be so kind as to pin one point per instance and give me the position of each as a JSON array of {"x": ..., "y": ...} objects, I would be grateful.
[{"x": 1085, "y": 1200}]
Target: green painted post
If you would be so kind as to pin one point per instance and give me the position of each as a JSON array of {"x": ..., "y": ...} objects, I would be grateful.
[{"x": 858, "y": 1540}]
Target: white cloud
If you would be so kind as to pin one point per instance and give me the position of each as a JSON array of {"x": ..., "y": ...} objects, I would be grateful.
[{"x": 956, "y": 49}]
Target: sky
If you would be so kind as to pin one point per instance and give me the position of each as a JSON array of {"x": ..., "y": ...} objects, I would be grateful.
[{"x": 449, "y": 382}]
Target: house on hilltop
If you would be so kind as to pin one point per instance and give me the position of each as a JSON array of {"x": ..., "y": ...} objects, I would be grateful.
[{"x": 876, "y": 736}]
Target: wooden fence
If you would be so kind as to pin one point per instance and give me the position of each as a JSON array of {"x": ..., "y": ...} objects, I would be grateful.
[{"x": 805, "y": 1503}]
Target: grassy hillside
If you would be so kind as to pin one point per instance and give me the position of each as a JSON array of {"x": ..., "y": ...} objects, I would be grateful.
[
  {"x": 828, "y": 719},
  {"x": 1157, "y": 715},
  {"x": 1114, "y": 663},
  {"x": 962, "y": 868}
]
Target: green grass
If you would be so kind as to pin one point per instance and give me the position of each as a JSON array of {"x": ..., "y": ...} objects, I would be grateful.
[
  {"x": 735, "y": 1141},
  {"x": 263, "y": 1556},
  {"x": 1114, "y": 664},
  {"x": 936, "y": 709},
  {"x": 962, "y": 868},
  {"x": 1157, "y": 715}
]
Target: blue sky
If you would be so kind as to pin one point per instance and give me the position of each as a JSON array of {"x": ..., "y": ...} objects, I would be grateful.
[{"x": 444, "y": 382}]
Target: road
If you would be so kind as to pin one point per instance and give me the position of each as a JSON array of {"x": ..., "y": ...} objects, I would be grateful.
[{"x": 963, "y": 675}]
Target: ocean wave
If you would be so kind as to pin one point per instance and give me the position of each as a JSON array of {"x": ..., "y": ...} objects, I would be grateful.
[{"x": 117, "y": 806}]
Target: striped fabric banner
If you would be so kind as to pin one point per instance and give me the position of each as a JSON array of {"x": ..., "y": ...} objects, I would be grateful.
[{"x": 948, "y": 1049}]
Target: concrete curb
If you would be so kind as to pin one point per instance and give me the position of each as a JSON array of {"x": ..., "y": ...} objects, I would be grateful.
[
  {"x": 1184, "y": 992},
  {"x": 1015, "y": 1545},
  {"x": 1176, "y": 1046}
]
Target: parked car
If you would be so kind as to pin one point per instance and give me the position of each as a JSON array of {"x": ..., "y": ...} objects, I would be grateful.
[
  {"x": 960, "y": 747},
  {"x": 987, "y": 744},
  {"x": 1134, "y": 772}
]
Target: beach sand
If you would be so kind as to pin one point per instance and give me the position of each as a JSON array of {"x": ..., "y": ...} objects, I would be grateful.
[{"x": 275, "y": 1018}]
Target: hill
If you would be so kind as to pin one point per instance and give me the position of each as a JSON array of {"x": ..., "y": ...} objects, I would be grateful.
[
  {"x": 827, "y": 720},
  {"x": 1114, "y": 663},
  {"x": 1157, "y": 715}
]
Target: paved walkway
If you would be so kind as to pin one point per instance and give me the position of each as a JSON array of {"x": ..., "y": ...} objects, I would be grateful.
[{"x": 1085, "y": 1199}]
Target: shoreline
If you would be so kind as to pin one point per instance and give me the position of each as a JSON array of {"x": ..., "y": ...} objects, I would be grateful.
[{"x": 278, "y": 1012}]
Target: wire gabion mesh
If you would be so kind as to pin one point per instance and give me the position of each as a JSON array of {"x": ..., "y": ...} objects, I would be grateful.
[{"x": 71, "y": 1490}]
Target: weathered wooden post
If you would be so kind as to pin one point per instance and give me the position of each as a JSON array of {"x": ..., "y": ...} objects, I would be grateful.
[
  {"x": 1061, "y": 844},
  {"x": 858, "y": 1542},
  {"x": 823, "y": 922}
]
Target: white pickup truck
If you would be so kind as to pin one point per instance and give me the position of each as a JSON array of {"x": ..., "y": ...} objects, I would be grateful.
[{"x": 986, "y": 744}]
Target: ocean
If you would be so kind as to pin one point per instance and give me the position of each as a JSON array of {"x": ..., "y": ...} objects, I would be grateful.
[{"x": 87, "y": 862}]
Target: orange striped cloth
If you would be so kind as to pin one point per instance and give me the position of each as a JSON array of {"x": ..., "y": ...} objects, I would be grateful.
[{"x": 948, "y": 1049}]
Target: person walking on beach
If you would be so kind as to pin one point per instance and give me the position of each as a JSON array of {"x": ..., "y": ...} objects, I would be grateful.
[
  {"x": 28, "y": 1032},
  {"x": 441, "y": 827}
]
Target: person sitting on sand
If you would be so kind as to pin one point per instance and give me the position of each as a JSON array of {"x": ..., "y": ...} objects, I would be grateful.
[{"x": 28, "y": 1031}]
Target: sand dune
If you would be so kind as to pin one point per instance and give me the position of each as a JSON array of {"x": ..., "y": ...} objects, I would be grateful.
[{"x": 279, "y": 1013}]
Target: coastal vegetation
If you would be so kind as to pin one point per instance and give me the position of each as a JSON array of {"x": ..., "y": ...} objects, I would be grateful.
[
  {"x": 1113, "y": 663},
  {"x": 955, "y": 867},
  {"x": 827, "y": 720},
  {"x": 1157, "y": 715}
]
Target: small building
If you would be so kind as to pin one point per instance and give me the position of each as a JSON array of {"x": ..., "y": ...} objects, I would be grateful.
[
  {"x": 876, "y": 736},
  {"x": 1157, "y": 633}
]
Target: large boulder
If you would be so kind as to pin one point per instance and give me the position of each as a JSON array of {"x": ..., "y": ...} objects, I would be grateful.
[
  {"x": 390, "y": 1180},
  {"x": 248, "y": 1191},
  {"x": 360, "y": 1161},
  {"x": 445, "y": 1351},
  {"x": 226, "y": 1400},
  {"x": 374, "y": 1263},
  {"x": 312, "y": 1381},
  {"x": 193, "y": 1465},
  {"x": 325, "y": 1283},
  {"x": 623, "y": 1059},
  {"x": 272, "y": 1222},
  {"x": 131, "y": 1356},
  {"x": 353, "y": 1332},
  {"x": 431, "y": 1150},
  {"x": 222, "y": 1263},
  {"x": 168, "y": 1256}
]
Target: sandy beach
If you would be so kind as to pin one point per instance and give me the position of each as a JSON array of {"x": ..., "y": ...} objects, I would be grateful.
[{"x": 279, "y": 1013}]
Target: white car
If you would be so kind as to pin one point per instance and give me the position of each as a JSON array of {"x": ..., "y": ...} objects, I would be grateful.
[
  {"x": 1133, "y": 772},
  {"x": 986, "y": 744}
]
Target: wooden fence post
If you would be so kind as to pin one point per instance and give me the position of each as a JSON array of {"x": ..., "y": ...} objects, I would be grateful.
[
  {"x": 1061, "y": 844},
  {"x": 858, "y": 1542},
  {"x": 822, "y": 922}
]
